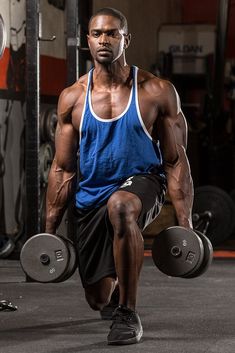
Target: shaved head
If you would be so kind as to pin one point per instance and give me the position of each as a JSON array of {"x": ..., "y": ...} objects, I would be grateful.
[{"x": 109, "y": 11}]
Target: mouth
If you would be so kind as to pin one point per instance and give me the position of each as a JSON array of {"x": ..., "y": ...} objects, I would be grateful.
[{"x": 104, "y": 50}]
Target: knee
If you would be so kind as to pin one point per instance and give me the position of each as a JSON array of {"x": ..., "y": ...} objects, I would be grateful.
[
  {"x": 123, "y": 209},
  {"x": 96, "y": 303}
]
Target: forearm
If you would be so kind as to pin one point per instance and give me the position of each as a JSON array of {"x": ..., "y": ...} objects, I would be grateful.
[
  {"x": 180, "y": 188},
  {"x": 61, "y": 189}
]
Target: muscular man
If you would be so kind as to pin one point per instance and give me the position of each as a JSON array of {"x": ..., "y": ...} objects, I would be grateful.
[{"x": 125, "y": 128}]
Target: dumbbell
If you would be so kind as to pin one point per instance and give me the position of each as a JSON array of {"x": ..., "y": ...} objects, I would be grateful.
[
  {"x": 48, "y": 258},
  {"x": 181, "y": 252}
]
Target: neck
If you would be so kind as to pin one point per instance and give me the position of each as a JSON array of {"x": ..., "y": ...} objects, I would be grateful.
[{"x": 112, "y": 74}]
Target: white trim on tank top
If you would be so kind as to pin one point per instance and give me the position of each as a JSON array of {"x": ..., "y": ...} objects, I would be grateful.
[
  {"x": 112, "y": 119},
  {"x": 84, "y": 105},
  {"x": 137, "y": 105}
]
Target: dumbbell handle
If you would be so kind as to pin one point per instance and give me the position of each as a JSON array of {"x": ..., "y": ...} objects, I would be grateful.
[
  {"x": 206, "y": 215},
  {"x": 204, "y": 219}
]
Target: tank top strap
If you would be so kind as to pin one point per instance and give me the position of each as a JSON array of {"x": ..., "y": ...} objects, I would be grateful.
[
  {"x": 134, "y": 85},
  {"x": 89, "y": 82}
]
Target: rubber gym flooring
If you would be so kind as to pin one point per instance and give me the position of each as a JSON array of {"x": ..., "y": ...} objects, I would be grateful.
[{"x": 178, "y": 315}]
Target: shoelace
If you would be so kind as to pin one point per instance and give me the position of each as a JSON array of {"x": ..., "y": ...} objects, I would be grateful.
[
  {"x": 120, "y": 317},
  {"x": 6, "y": 305}
]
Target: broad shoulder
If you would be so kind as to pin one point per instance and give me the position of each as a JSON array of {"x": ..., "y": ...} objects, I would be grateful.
[
  {"x": 161, "y": 90},
  {"x": 154, "y": 84},
  {"x": 72, "y": 96}
]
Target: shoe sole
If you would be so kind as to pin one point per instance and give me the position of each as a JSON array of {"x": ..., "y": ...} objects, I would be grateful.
[{"x": 128, "y": 341}]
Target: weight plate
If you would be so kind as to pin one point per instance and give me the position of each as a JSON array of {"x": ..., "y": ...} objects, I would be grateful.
[
  {"x": 44, "y": 257},
  {"x": 220, "y": 205},
  {"x": 207, "y": 258},
  {"x": 72, "y": 265},
  {"x": 46, "y": 155},
  {"x": 3, "y": 36},
  {"x": 42, "y": 123},
  {"x": 48, "y": 123},
  {"x": 51, "y": 123},
  {"x": 177, "y": 251}
]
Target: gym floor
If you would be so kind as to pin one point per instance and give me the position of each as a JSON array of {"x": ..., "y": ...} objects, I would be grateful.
[{"x": 178, "y": 315}]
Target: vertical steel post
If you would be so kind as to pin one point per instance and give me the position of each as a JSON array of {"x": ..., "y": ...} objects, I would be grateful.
[
  {"x": 72, "y": 57},
  {"x": 221, "y": 41},
  {"x": 77, "y": 15},
  {"x": 32, "y": 142},
  {"x": 72, "y": 41}
]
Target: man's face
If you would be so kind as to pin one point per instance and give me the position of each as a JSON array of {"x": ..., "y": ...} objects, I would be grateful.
[{"x": 106, "y": 39}]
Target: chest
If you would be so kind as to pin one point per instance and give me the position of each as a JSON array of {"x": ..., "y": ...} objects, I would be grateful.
[{"x": 109, "y": 105}]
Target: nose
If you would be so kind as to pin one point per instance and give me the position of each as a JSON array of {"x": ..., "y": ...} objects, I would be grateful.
[{"x": 104, "y": 39}]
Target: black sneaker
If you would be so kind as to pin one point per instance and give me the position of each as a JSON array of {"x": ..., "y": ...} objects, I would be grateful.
[
  {"x": 126, "y": 327},
  {"x": 107, "y": 312}
]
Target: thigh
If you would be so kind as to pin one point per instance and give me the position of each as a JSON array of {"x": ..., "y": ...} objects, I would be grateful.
[
  {"x": 150, "y": 189},
  {"x": 94, "y": 245}
]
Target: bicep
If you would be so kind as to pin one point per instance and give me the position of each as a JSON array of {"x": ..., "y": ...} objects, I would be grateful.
[
  {"x": 66, "y": 136},
  {"x": 171, "y": 126},
  {"x": 66, "y": 145}
]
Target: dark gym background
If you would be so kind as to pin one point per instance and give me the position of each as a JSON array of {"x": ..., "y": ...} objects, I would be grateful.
[
  {"x": 43, "y": 49},
  {"x": 188, "y": 42}
]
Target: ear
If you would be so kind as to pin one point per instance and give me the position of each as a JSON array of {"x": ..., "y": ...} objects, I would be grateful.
[
  {"x": 88, "y": 40},
  {"x": 127, "y": 40}
]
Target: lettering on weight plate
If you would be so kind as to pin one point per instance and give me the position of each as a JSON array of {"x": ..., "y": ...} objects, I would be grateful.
[{"x": 190, "y": 257}]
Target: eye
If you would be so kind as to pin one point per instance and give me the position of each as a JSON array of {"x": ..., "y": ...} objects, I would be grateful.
[
  {"x": 96, "y": 34},
  {"x": 111, "y": 33}
]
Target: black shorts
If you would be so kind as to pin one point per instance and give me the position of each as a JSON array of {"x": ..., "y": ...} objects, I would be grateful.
[{"x": 95, "y": 234}]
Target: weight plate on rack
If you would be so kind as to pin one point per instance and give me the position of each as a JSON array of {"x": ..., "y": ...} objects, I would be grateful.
[
  {"x": 218, "y": 202},
  {"x": 3, "y": 36},
  {"x": 46, "y": 154}
]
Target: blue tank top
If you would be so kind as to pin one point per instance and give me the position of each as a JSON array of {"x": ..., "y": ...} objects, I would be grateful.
[{"x": 111, "y": 150}]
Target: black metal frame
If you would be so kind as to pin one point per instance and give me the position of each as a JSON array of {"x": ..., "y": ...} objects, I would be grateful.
[
  {"x": 77, "y": 15},
  {"x": 221, "y": 42},
  {"x": 32, "y": 142}
]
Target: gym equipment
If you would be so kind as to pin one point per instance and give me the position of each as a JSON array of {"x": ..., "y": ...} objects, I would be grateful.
[
  {"x": 3, "y": 36},
  {"x": 207, "y": 258},
  {"x": 48, "y": 122},
  {"x": 48, "y": 258},
  {"x": 46, "y": 155},
  {"x": 42, "y": 208},
  {"x": 213, "y": 213},
  {"x": 181, "y": 252},
  {"x": 6, "y": 305},
  {"x": 7, "y": 246}
]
